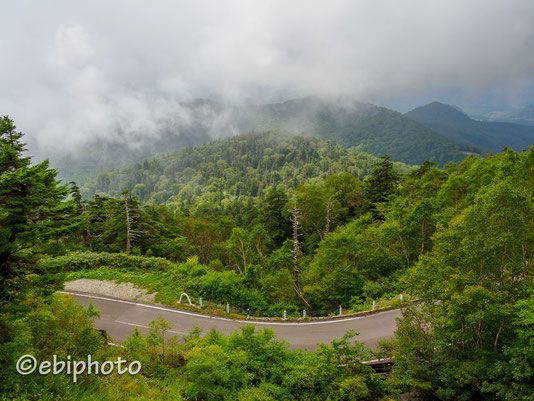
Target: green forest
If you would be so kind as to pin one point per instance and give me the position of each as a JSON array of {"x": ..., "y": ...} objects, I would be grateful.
[
  {"x": 362, "y": 126},
  {"x": 271, "y": 221},
  {"x": 372, "y": 129}
]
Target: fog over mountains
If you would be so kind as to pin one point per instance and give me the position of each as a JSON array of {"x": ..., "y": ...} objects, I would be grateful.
[
  {"x": 368, "y": 128},
  {"x": 522, "y": 115},
  {"x": 436, "y": 132},
  {"x": 111, "y": 78}
]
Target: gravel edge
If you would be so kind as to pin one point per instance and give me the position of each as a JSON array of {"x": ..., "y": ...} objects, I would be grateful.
[{"x": 110, "y": 288}]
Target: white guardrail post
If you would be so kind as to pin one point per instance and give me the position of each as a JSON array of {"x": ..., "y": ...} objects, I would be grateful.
[
  {"x": 304, "y": 313},
  {"x": 187, "y": 296}
]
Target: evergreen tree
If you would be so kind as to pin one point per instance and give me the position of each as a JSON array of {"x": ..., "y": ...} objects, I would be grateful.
[
  {"x": 115, "y": 224},
  {"x": 381, "y": 184},
  {"x": 275, "y": 222},
  {"x": 32, "y": 211}
]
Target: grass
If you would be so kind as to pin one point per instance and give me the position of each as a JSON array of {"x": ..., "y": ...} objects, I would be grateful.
[{"x": 169, "y": 291}]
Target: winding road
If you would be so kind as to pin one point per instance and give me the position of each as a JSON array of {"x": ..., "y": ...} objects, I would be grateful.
[{"x": 119, "y": 317}]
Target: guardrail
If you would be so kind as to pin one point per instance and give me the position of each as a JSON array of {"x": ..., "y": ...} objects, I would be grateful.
[{"x": 284, "y": 314}]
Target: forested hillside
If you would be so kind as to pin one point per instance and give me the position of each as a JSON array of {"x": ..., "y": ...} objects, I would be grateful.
[
  {"x": 457, "y": 126},
  {"x": 368, "y": 128},
  {"x": 208, "y": 178},
  {"x": 460, "y": 239},
  {"x": 371, "y": 129}
]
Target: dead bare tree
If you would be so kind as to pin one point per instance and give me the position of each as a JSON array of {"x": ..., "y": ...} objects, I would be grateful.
[
  {"x": 296, "y": 251},
  {"x": 131, "y": 219},
  {"x": 328, "y": 209}
]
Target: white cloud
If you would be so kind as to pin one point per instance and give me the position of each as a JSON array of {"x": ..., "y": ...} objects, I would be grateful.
[{"x": 78, "y": 70}]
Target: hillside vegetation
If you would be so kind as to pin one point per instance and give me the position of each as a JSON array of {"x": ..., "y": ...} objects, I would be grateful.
[
  {"x": 457, "y": 126},
  {"x": 236, "y": 169},
  {"x": 371, "y": 129},
  {"x": 461, "y": 239}
]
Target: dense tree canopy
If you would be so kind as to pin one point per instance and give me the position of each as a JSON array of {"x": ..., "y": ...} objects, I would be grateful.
[
  {"x": 272, "y": 223},
  {"x": 31, "y": 211},
  {"x": 469, "y": 327}
]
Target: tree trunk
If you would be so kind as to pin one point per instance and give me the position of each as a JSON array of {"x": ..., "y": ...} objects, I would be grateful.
[
  {"x": 296, "y": 251},
  {"x": 128, "y": 228},
  {"x": 328, "y": 207}
]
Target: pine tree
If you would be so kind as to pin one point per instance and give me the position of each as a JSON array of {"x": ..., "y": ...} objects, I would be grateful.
[
  {"x": 276, "y": 224},
  {"x": 381, "y": 184},
  {"x": 32, "y": 211},
  {"x": 115, "y": 224}
]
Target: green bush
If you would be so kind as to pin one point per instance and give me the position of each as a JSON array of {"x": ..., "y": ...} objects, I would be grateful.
[
  {"x": 63, "y": 328},
  {"x": 282, "y": 306},
  {"x": 228, "y": 287},
  {"x": 92, "y": 260}
]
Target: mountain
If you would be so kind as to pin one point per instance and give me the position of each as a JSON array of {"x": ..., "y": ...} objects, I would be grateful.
[
  {"x": 459, "y": 127},
  {"x": 369, "y": 128},
  {"x": 244, "y": 166}
]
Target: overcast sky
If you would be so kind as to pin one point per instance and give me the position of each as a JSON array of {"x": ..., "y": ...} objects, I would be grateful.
[{"x": 73, "y": 69}]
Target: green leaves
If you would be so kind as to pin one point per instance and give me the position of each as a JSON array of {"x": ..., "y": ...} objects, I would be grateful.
[
  {"x": 512, "y": 378},
  {"x": 382, "y": 181},
  {"x": 63, "y": 328},
  {"x": 469, "y": 284},
  {"x": 11, "y": 147},
  {"x": 32, "y": 212},
  {"x": 250, "y": 362}
]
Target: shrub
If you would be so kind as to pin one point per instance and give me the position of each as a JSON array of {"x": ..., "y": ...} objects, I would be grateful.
[{"x": 92, "y": 260}]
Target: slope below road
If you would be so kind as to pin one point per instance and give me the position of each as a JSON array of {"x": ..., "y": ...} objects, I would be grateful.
[{"x": 119, "y": 317}]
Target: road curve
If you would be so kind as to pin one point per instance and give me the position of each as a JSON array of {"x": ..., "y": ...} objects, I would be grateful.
[{"x": 119, "y": 317}]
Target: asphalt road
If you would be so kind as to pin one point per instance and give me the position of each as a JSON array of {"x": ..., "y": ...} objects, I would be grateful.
[{"x": 119, "y": 317}]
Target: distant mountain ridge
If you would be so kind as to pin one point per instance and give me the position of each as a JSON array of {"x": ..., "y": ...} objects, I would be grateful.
[
  {"x": 454, "y": 124},
  {"x": 437, "y": 111},
  {"x": 368, "y": 128}
]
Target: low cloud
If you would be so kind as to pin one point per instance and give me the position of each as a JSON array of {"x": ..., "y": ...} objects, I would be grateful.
[{"x": 73, "y": 72}]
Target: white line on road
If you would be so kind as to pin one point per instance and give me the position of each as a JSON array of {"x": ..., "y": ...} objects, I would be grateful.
[
  {"x": 223, "y": 318},
  {"x": 133, "y": 324},
  {"x": 147, "y": 327}
]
